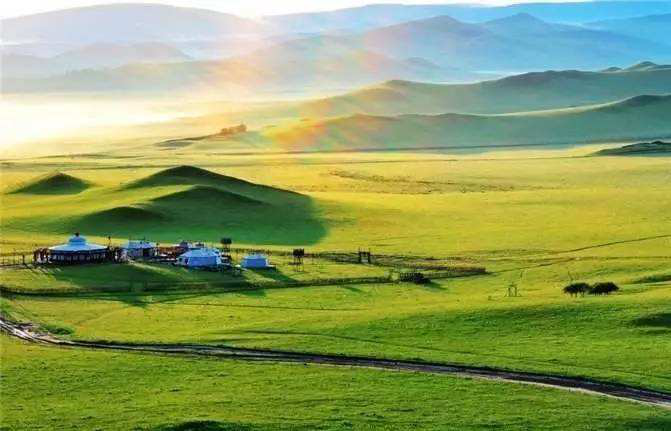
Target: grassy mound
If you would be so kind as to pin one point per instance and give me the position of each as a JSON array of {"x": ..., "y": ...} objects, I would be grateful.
[
  {"x": 56, "y": 183},
  {"x": 194, "y": 176},
  {"x": 185, "y": 175},
  {"x": 206, "y": 195},
  {"x": 210, "y": 207}
]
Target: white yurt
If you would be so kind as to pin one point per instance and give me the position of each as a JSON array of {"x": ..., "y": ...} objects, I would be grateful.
[
  {"x": 139, "y": 249},
  {"x": 77, "y": 250},
  {"x": 200, "y": 257},
  {"x": 255, "y": 261}
]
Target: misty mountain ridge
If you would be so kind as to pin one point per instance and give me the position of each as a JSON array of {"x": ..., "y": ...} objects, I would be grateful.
[
  {"x": 516, "y": 42},
  {"x": 655, "y": 28},
  {"x": 378, "y": 15},
  {"x": 160, "y": 42},
  {"x": 126, "y": 23},
  {"x": 323, "y": 63},
  {"x": 94, "y": 56}
]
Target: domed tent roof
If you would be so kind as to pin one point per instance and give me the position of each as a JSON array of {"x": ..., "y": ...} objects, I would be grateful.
[
  {"x": 201, "y": 252},
  {"x": 77, "y": 243}
]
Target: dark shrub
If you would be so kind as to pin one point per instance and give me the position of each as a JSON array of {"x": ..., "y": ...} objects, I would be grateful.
[
  {"x": 603, "y": 288},
  {"x": 419, "y": 278},
  {"x": 575, "y": 289}
]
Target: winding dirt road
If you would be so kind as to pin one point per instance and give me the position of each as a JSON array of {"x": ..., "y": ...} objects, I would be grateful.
[{"x": 27, "y": 332}]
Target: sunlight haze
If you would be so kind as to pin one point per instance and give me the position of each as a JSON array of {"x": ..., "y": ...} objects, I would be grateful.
[{"x": 247, "y": 8}]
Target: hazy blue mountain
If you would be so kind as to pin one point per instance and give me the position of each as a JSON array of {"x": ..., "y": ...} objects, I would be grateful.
[
  {"x": 656, "y": 28},
  {"x": 368, "y": 17},
  {"x": 94, "y": 56},
  {"x": 126, "y": 23},
  {"x": 154, "y": 22},
  {"x": 306, "y": 64},
  {"x": 515, "y": 43}
]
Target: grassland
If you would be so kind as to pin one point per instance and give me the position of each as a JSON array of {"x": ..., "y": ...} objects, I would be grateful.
[
  {"x": 128, "y": 391},
  {"x": 534, "y": 218}
]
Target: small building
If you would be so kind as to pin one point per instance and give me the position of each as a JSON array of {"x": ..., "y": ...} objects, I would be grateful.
[
  {"x": 140, "y": 249},
  {"x": 255, "y": 261},
  {"x": 78, "y": 250},
  {"x": 200, "y": 257}
]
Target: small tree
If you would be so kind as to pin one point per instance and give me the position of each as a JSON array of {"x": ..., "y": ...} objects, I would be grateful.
[
  {"x": 603, "y": 288},
  {"x": 575, "y": 289}
]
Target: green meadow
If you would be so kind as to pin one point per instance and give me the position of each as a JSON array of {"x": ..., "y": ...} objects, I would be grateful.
[
  {"x": 534, "y": 219},
  {"x": 104, "y": 390}
]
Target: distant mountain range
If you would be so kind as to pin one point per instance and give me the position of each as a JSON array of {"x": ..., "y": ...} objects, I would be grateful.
[
  {"x": 656, "y": 28},
  {"x": 518, "y": 42},
  {"x": 149, "y": 47},
  {"x": 94, "y": 56},
  {"x": 378, "y": 15},
  {"x": 126, "y": 23},
  {"x": 638, "y": 118},
  {"x": 299, "y": 64}
]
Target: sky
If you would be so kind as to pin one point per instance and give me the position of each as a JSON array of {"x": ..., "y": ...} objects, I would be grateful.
[{"x": 12, "y": 8}]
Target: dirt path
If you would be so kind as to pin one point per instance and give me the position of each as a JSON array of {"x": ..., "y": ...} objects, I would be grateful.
[{"x": 27, "y": 332}]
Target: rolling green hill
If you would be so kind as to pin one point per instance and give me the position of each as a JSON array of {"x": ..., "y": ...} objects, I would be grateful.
[
  {"x": 56, "y": 183},
  {"x": 193, "y": 203},
  {"x": 640, "y": 117},
  {"x": 526, "y": 92}
]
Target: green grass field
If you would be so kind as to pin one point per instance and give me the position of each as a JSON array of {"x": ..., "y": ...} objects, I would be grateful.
[
  {"x": 535, "y": 218},
  {"x": 101, "y": 390}
]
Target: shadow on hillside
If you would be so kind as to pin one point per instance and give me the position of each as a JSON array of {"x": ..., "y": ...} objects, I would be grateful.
[
  {"x": 198, "y": 425},
  {"x": 273, "y": 275},
  {"x": 659, "y": 320},
  {"x": 651, "y": 423},
  {"x": 432, "y": 285},
  {"x": 127, "y": 283}
]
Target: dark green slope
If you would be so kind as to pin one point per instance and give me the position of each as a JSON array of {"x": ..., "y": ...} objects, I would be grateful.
[
  {"x": 526, "y": 92},
  {"x": 206, "y": 206},
  {"x": 641, "y": 117}
]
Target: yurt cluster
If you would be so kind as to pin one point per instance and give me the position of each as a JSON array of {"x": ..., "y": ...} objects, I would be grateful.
[{"x": 187, "y": 254}]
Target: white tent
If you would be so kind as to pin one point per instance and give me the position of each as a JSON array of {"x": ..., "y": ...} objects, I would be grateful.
[
  {"x": 77, "y": 250},
  {"x": 201, "y": 257},
  {"x": 255, "y": 260}
]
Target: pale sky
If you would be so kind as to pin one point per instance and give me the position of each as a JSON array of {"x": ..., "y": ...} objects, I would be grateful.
[{"x": 11, "y": 8}]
